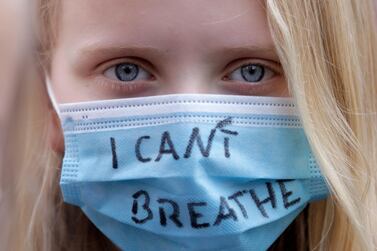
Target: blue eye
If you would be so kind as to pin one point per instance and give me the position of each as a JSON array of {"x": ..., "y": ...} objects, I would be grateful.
[
  {"x": 252, "y": 73},
  {"x": 127, "y": 72}
]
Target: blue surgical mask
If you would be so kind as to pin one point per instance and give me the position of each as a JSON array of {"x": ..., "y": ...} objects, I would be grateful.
[{"x": 189, "y": 172}]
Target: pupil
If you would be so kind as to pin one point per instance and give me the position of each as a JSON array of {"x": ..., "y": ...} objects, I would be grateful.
[
  {"x": 126, "y": 71},
  {"x": 252, "y": 72},
  {"x": 252, "y": 69}
]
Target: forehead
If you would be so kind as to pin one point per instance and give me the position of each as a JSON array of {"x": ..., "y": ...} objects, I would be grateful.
[{"x": 196, "y": 24}]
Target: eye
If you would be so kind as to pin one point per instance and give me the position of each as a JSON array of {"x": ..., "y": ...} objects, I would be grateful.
[
  {"x": 252, "y": 73},
  {"x": 127, "y": 72}
]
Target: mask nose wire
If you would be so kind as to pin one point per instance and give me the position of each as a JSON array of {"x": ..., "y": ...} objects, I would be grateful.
[{"x": 51, "y": 94}]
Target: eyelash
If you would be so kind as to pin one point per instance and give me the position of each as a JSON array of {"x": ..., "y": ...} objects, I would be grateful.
[
  {"x": 136, "y": 85},
  {"x": 266, "y": 70},
  {"x": 126, "y": 66}
]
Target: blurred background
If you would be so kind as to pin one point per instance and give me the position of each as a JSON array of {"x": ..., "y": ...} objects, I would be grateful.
[
  {"x": 12, "y": 48},
  {"x": 14, "y": 40}
]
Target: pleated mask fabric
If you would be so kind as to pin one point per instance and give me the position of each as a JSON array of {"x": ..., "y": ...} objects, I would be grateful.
[{"x": 189, "y": 171}]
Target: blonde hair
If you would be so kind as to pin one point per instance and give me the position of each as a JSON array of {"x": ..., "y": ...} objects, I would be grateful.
[{"x": 329, "y": 55}]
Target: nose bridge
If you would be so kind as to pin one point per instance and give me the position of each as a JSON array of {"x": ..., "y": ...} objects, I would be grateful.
[
  {"x": 188, "y": 72},
  {"x": 189, "y": 77}
]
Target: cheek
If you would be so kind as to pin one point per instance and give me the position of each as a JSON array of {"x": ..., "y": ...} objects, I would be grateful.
[{"x": 55, "y": 135}]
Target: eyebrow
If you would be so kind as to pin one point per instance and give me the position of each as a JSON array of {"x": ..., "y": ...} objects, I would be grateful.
[
  {"x": 98, "y": 50},
  {"x": 248, "y": 50},
  {"x": 89, "y": 56},
  {"x": 103, "y": 50}
]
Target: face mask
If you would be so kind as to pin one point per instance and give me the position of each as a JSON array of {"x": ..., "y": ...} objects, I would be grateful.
[{"x": 189, "y": 172}]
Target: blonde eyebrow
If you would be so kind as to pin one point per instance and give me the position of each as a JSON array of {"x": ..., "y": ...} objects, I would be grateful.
[
  {"x": 228, "y": 53},
  {"x": 106, "y": 50},
  {"x": 248, "y": 50},
  {"x": 103, "y": 50},
  {"x": 90, "y": 56},
  {"x": 112, "y": 48}
]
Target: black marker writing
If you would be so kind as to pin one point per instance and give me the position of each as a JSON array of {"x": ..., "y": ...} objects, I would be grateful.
[
  {"x": 229, "y": 207},
  {"x": 114, "y": 153},
  {"x": 194, "y": 215},
  {"x": 146, "y": 207},
  {"x": 137, "y": 149},
  {"x": 174, "y": 217},
  {"x": 225, "y": 212},
  {"x": 285, "y": 194},
  {"x": 259, "y": 203},
  {"x": 205, "y": 151},
  {"x": 167, "y": 146},
  {"x": 235, "y": 197},
  {"x": 166, "y": 141}
]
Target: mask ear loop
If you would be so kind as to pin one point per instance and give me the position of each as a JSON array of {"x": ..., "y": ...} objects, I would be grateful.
[{"x": 50, "y": 93}]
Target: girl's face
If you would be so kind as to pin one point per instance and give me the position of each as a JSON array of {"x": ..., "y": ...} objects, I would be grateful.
[{"x": 131, "y": 48}]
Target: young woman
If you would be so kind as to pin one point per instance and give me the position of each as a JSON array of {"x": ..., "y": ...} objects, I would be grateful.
[{"x": 321, "y": 53}]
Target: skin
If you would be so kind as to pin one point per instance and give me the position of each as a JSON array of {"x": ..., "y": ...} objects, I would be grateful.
[
  {"x": 184, "y": 46},
  {"x": 181, "y": 46}
]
